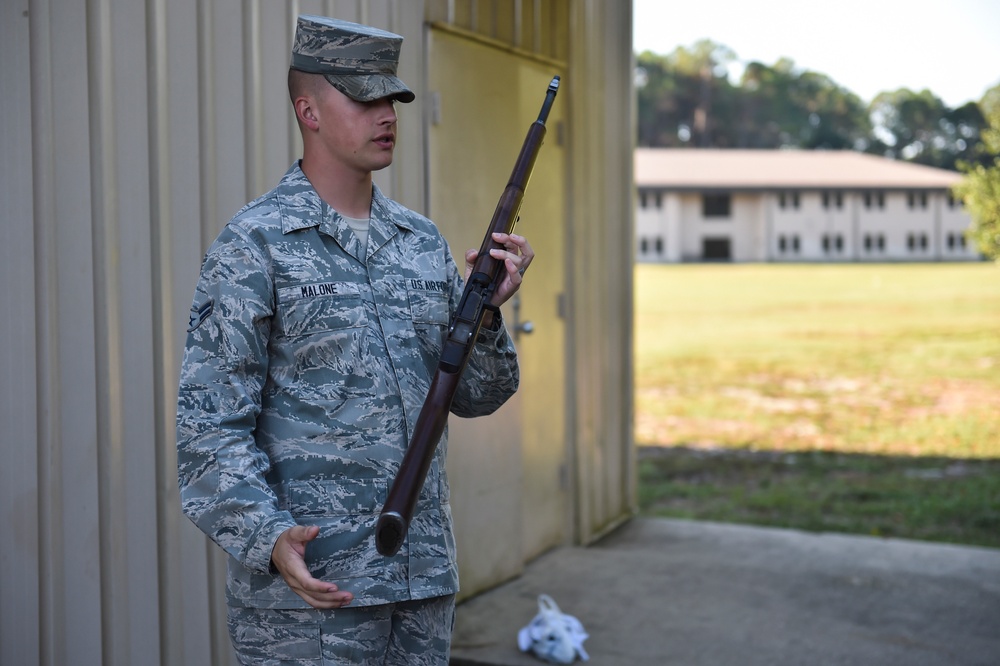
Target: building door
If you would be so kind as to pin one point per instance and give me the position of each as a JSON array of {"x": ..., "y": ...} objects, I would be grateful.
[
  {"x": 716, "y": 249},
  {"x": 508, "y": 471}
]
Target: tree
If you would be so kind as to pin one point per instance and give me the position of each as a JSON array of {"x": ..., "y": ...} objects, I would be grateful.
[
  {"x": 963, "y": 128},
  {"x": 783, "y": 106},
  {"x": 980, "y": 191},
  {"x": 919, "y": 127},
  {"x": 684, "y": 97},
  {"x": 905, "y": 124}
]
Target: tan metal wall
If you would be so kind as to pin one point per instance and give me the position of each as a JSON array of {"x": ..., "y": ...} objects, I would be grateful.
[
  {"x": 599, "y": 248},
  {"x": 131, "y": 132}
]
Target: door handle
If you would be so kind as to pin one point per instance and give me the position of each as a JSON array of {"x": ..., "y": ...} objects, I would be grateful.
[{"x": 520, "y": 327}]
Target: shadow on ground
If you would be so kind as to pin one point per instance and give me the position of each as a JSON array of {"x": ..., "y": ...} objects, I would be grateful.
[{"x": 928, "y": 498}]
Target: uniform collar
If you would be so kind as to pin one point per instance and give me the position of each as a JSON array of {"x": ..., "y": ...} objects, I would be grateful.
[{"x": 301, "y": 207}]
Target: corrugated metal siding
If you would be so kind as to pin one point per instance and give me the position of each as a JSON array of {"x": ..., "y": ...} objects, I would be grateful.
[
  {"x": 131, "y": 132},
  {"x": 601, "y": 217},
  {"x": 20, "y": 552},
  {"x": 536, "y": 27}
]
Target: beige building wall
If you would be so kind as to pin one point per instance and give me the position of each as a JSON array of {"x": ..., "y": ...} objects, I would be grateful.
[
  {"x": 912, "y": 225},
  {"x": 788, "y": 205},
  {"x": 132, "y": 131}
]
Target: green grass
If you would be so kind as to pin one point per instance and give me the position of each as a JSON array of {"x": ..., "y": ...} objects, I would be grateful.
[{"x": 877, "y": 377}]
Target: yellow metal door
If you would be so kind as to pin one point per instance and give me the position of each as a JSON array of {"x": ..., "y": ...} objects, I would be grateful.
[{"x": 508, "y": 471}]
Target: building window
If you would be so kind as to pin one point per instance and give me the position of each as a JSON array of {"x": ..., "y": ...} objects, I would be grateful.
[
  {"x": 649, "y": 246},
  {"x": 833, "y": 243},
  {"x": 788, "y": 200},
  {"x": 833, "y": 200},
  {"x": 788, "y": 244},
  {"x": 715, "y": 205},
  {"x": 953, "y": 202},
  {"x": 916, "y": 242},
  {"x": 648, "y": 199},
  {"x": 956, "y": 241},
  {"x": 874, "y": 200},
  {"x": 874, "y": 242},
  {"x": 916, "y": 200}
]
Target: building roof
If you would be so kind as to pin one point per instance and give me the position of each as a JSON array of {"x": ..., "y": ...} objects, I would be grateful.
[{"x": 717, "y": 169}]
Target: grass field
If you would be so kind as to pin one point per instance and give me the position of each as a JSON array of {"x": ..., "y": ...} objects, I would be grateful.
[{"x": 861, "y": 398}]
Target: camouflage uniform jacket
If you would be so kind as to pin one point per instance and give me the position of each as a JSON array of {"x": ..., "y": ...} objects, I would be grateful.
[{"x": 305, "y": 368}]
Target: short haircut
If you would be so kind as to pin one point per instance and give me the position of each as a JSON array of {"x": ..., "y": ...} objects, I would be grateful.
[{"x": 303, "y": 83}]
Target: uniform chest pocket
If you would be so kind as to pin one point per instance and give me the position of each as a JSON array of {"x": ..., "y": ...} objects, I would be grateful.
[
  {"x": 316, "y": 308},
  {"x": 430, "y": 314},
  {"x": 323, "y": 355},
  {"x": 428, "y": 305}
]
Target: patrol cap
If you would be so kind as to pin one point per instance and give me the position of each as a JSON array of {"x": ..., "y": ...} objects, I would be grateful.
[{"x": 358, "y": 60}]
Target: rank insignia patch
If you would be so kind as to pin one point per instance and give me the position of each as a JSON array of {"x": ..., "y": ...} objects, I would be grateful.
[{"x": 199, "y": 313}]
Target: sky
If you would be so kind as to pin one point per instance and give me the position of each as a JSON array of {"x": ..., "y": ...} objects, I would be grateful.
[{"x": 951, "y": 47}]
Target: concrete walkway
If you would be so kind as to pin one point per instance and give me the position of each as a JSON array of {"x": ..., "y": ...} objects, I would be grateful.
[{"x": 690, "y": 593}]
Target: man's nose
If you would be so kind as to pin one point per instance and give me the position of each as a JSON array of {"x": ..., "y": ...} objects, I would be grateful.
[{"x": 387, "y": 107}]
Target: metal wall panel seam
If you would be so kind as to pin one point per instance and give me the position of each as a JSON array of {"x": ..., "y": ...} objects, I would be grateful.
[
  {"x": 43, "y": 200},
  {"x": 73, "y": 481},
  {"x": 161, "y": 265},
  {"x": 206, "y": 129},
  {"x": 133, "y": 498},
  {"x": 253, "y": 100},
  {"x": 107, "y": 338},
  {"x": 20, "y": 555}
]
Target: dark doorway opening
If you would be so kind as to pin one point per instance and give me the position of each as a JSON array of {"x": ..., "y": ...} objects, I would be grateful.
[{"x": 716, "y": 249}]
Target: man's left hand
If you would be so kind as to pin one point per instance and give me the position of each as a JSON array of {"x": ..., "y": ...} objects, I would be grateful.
[{"x": 516, "y": 254}]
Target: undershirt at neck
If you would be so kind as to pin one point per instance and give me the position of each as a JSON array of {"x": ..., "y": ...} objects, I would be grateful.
[{"x": 360, "y": 229}]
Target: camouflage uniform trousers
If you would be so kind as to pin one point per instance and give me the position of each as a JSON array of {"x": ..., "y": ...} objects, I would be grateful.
[{"x": 411, "y": 633}]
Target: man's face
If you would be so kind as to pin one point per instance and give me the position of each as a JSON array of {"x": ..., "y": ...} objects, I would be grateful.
[{"x": 359, "y": 135}]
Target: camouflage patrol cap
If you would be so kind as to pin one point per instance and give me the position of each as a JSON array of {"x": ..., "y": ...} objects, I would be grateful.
[{"x": 358, "y": 60}]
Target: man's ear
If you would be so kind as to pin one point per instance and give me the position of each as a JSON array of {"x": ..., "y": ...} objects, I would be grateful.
[{"x": 305, "y": 111}]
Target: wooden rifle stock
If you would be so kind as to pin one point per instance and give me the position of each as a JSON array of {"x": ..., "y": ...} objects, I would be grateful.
[{"x": 487, "y": 273}]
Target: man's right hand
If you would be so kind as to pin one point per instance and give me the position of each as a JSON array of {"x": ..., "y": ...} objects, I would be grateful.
[{"x": 288, "y": 557}]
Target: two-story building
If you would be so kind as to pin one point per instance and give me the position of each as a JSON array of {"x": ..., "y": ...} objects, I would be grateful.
[{"x": 794, "y": 205}]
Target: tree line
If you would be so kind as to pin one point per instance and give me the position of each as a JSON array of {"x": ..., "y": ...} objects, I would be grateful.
[{"x": 686, "y": 98}]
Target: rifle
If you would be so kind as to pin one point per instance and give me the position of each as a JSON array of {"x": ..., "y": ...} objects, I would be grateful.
[{"x": 487, "y": 273}]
